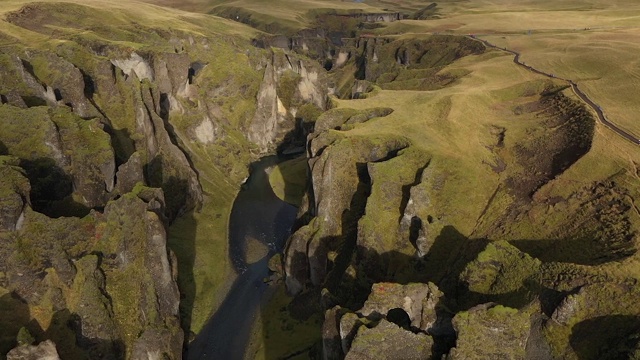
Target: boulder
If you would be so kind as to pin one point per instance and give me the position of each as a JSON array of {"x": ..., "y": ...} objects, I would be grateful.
[
  {"x": 46, "y": 350},
  {"x": 387, "y": 340},
  {"x": 423, "y": 303},
  {"x": 491, "y": 331}
]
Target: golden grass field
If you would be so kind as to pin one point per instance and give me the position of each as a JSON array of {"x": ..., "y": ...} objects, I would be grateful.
[{"x": 594, "y": 43}]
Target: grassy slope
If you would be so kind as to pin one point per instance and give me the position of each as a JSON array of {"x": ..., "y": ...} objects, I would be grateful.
[
  {"x": 454, "y": 125},
  {"x": 601, "y": 59},
  {"x": 290, "y": 14}
]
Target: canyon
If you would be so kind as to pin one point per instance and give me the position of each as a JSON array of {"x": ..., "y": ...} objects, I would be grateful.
[{"x": 432, "y": 208}]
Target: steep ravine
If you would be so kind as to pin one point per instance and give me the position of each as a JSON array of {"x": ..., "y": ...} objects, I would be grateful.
[{"x": 260, "y": 223}]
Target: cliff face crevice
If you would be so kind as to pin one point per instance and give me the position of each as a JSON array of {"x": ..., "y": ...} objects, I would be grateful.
[{"x": 358, "y": 63}]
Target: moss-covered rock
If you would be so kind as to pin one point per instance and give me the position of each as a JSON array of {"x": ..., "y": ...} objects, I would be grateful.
[
  {"x": 423, "y": 303},
  {"x": 335, "y": 118},
  {"x": 46, "y": 350},
  {"x": 491, "y": 332},
  {"x": 64, "y": 156},
  {"x": 387, "y": 340},
  {"x": 503, "y": 274},
  {"x": 14, "y": 193},
  {"x": 341, "y": 184},
  {"x": 600, "y": 321}
]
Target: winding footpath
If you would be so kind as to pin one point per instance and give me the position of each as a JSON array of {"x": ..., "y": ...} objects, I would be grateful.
[{"x": 603, "y": 119}]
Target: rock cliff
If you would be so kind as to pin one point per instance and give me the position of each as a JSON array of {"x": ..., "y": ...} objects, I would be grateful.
[{"x": 104, "y": 138}]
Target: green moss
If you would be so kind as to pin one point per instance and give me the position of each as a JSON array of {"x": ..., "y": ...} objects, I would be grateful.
[
  {"x": 23, "y": 131},
  {"x": 309, "y": 113},
  {"x": 503, "y": 274},
  {"x": 389, "y": 179},
  {"x": 491, "y": 332},
  {"x": 287, "y": 86},
  {"x": 276, "y": 334},
  {"x": 12, "y": 78},
  {"x": 595, "y": 324},
  {"x": 83, "y": 140},
  {"x": 24, "y": 337}
]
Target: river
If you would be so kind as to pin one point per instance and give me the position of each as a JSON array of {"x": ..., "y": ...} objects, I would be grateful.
[{"x": 259, "y": 214}]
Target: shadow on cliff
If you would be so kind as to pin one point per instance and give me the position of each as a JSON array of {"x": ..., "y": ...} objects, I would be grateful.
[
  {"x": 182, "y": 241},
  {"x": 181, "y": 233},
  {"x": 3, "y": 149},
  {"x": 14, "y": 314},
  {"x": 606, "y": 337},
  {"x": 159, "y": 173},
  {"x": 51, "y": 189},
  {"x": 593, "y": 251},
  {"x": 66, "y": 330}
]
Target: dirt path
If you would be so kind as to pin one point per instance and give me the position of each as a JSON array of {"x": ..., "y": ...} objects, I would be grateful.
[{"x": 603, "y": 119}]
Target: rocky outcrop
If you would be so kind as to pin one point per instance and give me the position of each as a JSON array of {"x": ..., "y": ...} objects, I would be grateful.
[
  {"x": 397, "y": 321},
  {"x": 288, "y": 83},
  {"x": 46, "y": 350},
  {"x": 14, "y": 194},
  {"x": 423, "y": 303},
  {"x": 590, "y": 325},
  {"x": 65, "y": 157},
  {"x": 97, "y": 148},
  {"x": 341, "y": 183},
  {"x": 491, "y": 332},
  {"x": 388, "y": 341},
  {"x": 378, "y": 17},
  {"x": 91, "y": 297},
  {"x": 135, "y": 64}
]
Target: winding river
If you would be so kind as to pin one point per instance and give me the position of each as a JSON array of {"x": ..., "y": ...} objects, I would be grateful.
[{"x": 260, "y": 215}]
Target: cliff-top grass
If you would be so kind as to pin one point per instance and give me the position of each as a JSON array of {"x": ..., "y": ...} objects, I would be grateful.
[
  {"x": 594, "y": 43},
  {"x": 455, "y": 124},
  {"x": 61, "y": 21}
]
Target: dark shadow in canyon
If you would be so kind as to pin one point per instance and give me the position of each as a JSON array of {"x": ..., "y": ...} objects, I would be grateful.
[
  {"x": 64, "y": 329},
  {"x": 608, "y": 337},
  {"x": 258, "y": 228},
  {"x": 159, "y": 173},
  {"x": 14, "y": 314},
  {"x": 181, "y": 240},
  {"x": 51, "y": 189},
  {"x": 593, "y": 251}
]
